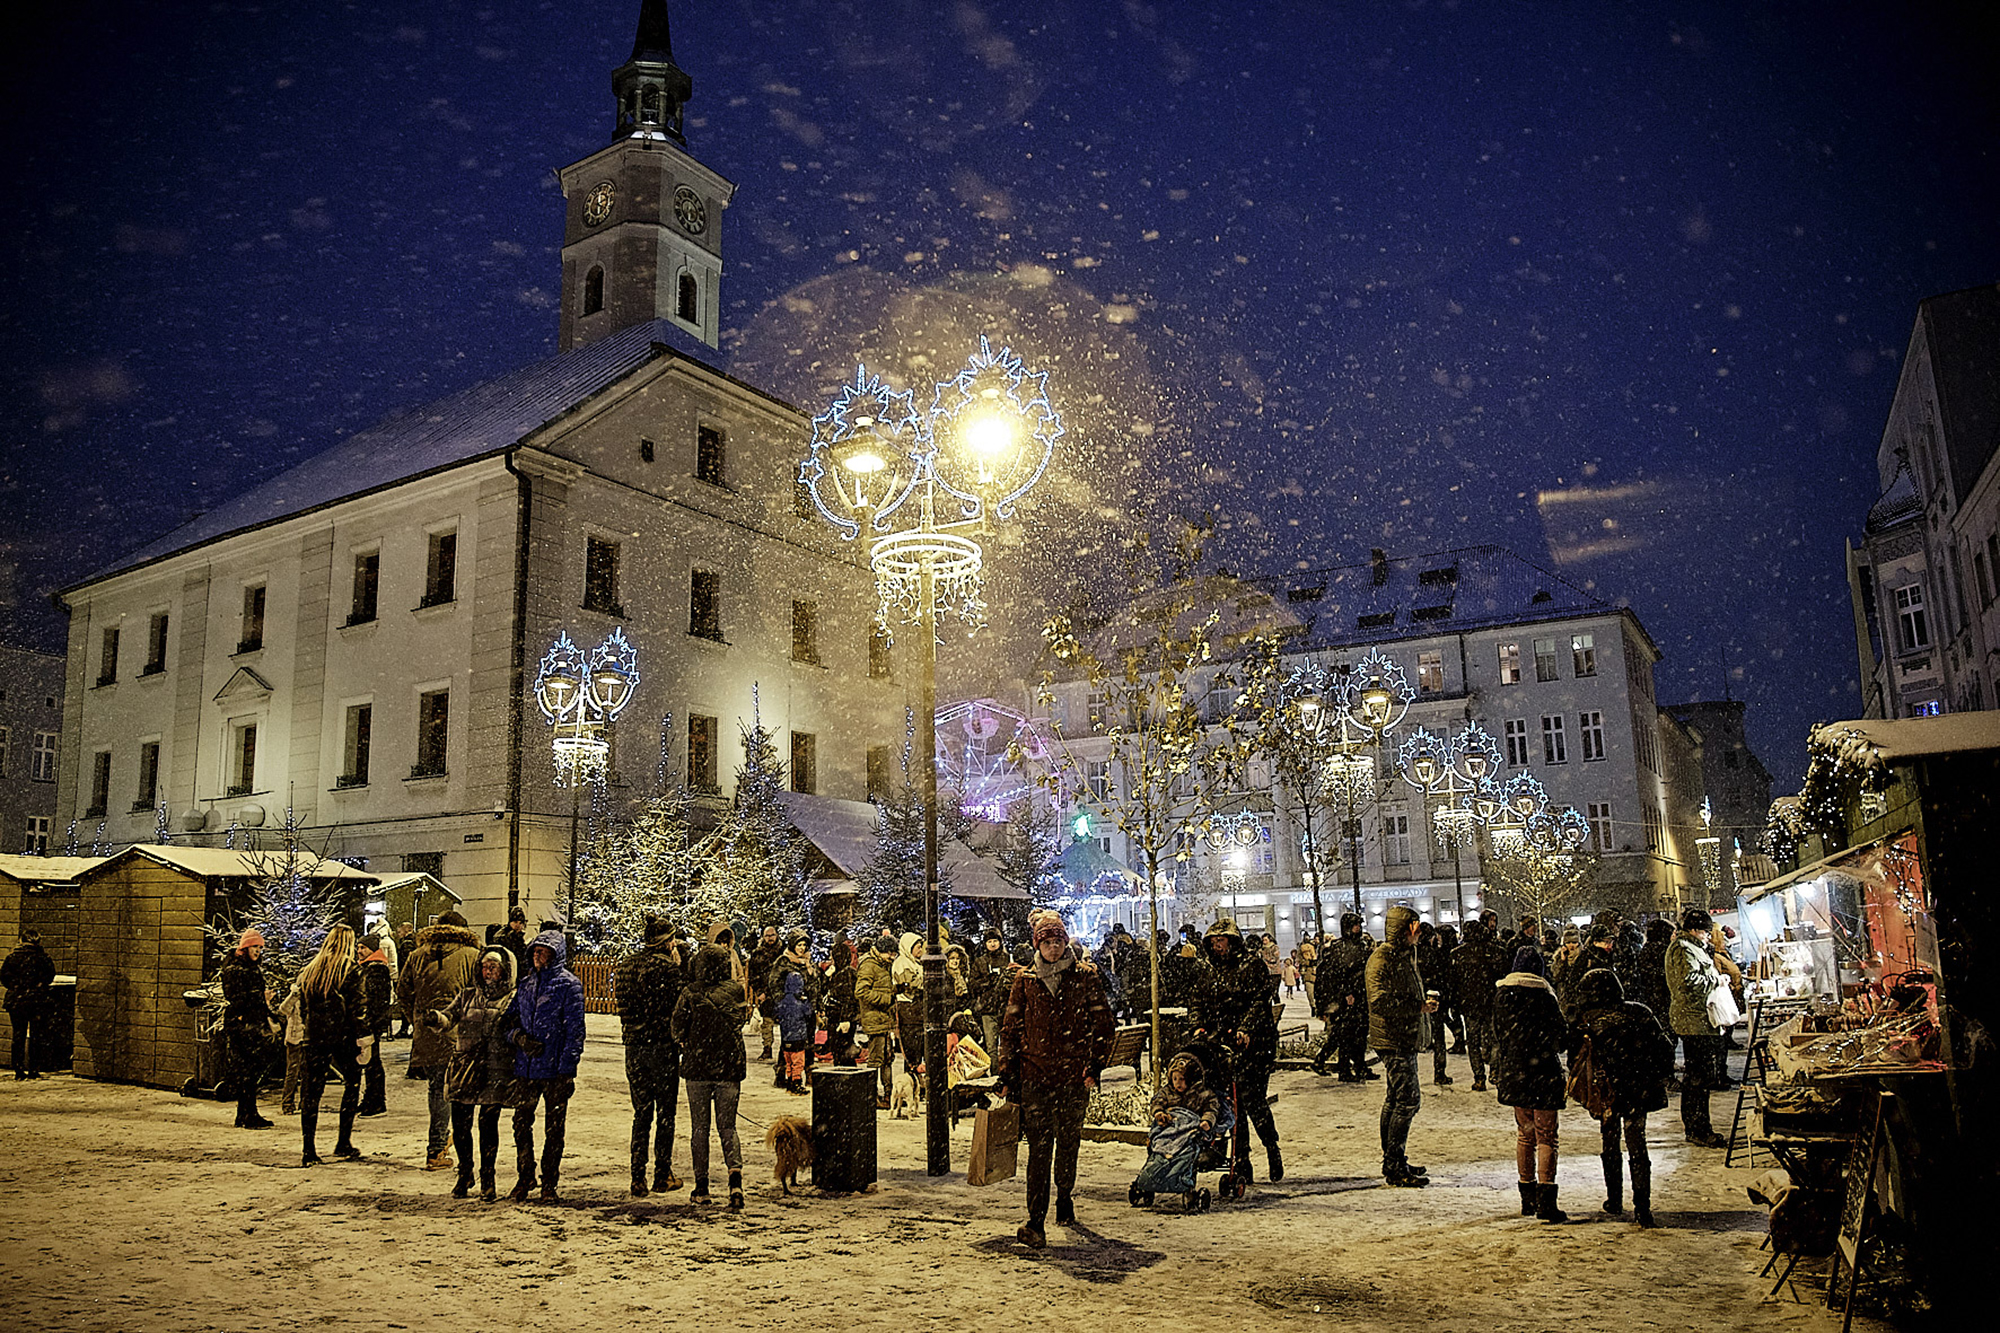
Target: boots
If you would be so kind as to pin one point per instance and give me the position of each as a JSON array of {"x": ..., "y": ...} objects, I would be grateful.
[
  {"x": 1277, "y": 1162},
  {"x": 1614, "y": 1183},
  {"x": 308, "y": 1129},
  {"x": 700, "y": 1194},
  {"x": 735, "y": 1191},
  {"x": 345, "y": 1147},
  {"x": 1527, "y": 1188},
  {"x": 519, "y": 1194},
  {"x": 1642, "y": 1192},
  {"x": 487, "y": 1189},
  {"x": 1545, "y": 1204},
  {"x": 639, "y": 1190},
  {"x": 463, "y": 1188}
]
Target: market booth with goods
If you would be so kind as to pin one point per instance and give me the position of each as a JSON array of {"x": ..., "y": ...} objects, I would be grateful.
[{"x": 1870, "y": 1079}]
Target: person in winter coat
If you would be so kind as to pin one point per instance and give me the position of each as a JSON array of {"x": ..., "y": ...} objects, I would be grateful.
[
  {"x": 339, "y": 1036},
  {"x": 708, "y": 1025},
  {"x": 1561, "y": 963},
  {"x": 27, "y": 974},
  {"x": 1231, "y": 1002},
  {"x": 1342, "y": 988},
  {"x": 1529, "y": 1037},
  {"x": 991, "y": 979},
  {"x": 1396, "y": 1008},
  {"x": 378, "y": 977},
  {"x": 546, "y": 1029},
  {"x": 246, "y": 1024},
  {"x": 293, "y": 1015},
  {"x": 1477, "y": 966},
  {"x": 1434, "y": 964},
  {"x": 480, "y": 1074},
  {"x": 1185, "y": 1089},
  {"x": 908, "y": 973},
  {"x": 399, "y": 948},
  {"x": 1631, "y": 1049},
  {"x": 842, "y": 1009},
  {"x": 796, "y": 984},
  {"x": 1651, "y": 967},
  {"x": 513, "y": 938},
  {"x": 875, "y": 994},
  {"x": 648, "y": 986},
  {"x": 1691, "y": 978},
  {"x": 437, "y": 971},
  {"x": 763, "y": 957},
  {"x": 1054, "y": 1037}
]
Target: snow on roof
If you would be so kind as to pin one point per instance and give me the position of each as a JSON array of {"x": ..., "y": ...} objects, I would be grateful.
[
  {"x": 222, "y": 863},
  {"x": 457, "y": 428},
  {"x": 844, "y": 833},
  {"x": 1871, "y": 743},
  {"x": 47, "y": 869},
  {"x": 419, "y": 880}
]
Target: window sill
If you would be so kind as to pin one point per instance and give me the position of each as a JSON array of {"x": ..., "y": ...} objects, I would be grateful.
[
  {"x": 427, "y": 775},
  {"x": 431, "y": 610},
  {"x": 613, "y": 610},
  {"x": 715, "y": 485},
  {"x": 95, "y": 812},
  {"x": 233, "y": 793},
  {"x": 350, "y": 782},
  {"x": 139, "y": 807},
  {"x": 363, "y": 622},
  {"x": 102, "y": 683},
  {"x": 808, "y": 661},
  {"x": 715, "y": 641},
  {"x": 153, "y": 672},
  {"x": 246, "y": 648}
]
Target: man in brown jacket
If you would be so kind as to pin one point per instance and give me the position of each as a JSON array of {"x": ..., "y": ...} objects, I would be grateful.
[
  {"x": 1054, "y": 1037},
  {"x": 436, "y": 971}
]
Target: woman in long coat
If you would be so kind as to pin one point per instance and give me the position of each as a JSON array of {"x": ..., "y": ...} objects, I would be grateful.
[
  {"x": 335, "y": 1005},
  {"x": 1635, "y": 1054},
  {"x": 480, "y": 1075},
  {"x": 1529, "y": 1038}
]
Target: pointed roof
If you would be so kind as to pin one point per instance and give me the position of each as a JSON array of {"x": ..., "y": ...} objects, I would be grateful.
[
  {"x": 653, "y": 44},
  {"x": 47, "y": 869},
  {"x": 227, "y": 863},
  {"x": 844, "y": 833}
]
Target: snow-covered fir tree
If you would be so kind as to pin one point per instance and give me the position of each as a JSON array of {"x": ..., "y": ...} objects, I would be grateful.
[
  {"x": 639, "y": 868},
  {"x": 755, "y": 867},
  {"x": 290, "y": 910}
]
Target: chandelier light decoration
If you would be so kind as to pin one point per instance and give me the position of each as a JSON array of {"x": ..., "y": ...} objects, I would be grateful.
[
  {"x": 1370, "y": 699},
  {"x": 579, "y": 697},
  {"x": 1449, "y": 771},
  {"x": 1506, "y": 808},
  {"x": 986, "y": 440}
]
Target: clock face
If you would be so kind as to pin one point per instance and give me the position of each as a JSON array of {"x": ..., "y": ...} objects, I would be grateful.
[
  {"x": 689, "y": 211},
  {"x": 597, "y": 204}
]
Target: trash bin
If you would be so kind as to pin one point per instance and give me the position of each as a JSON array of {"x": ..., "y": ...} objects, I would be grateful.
[
  {"x": 211, "y": 1054},
  {"x": 843, "y": 1107},
  {"x": 55, "y": 1035}
]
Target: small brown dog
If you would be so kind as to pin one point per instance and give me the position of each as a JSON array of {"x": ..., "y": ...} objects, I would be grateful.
[{"x": 790, "y": 1139}]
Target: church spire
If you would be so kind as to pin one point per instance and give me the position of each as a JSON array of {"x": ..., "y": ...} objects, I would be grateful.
[{"x": 650, "y": 88}]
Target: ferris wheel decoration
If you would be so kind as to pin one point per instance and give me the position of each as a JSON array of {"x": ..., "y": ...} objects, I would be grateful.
[{"x": 981, "y": 748}]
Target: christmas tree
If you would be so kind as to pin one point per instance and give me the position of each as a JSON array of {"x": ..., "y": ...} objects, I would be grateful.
[
  {"x": 284, "y": 904},
  {"x": 755, "y": 870}
]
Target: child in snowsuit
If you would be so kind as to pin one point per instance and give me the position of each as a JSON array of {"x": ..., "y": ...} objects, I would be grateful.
[{"x": 1185, "y": 1088}]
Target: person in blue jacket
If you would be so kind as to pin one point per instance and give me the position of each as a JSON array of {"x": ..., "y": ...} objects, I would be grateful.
[{"x": 546, "y": 1027}]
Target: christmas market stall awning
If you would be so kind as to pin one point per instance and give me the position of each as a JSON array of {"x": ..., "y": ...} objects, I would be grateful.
[
  {"x": 844, "y": 833},
  {"x": 417, "y": 885},
  {"x": 1873, "y": 742},
  {"x": 1846, "y": 859},
  {"x": 44, "y": 870},
  {"x": 225, "y": 863}
]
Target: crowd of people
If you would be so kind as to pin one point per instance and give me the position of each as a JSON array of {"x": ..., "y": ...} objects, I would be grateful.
[{"x": 498, "y": 1025}]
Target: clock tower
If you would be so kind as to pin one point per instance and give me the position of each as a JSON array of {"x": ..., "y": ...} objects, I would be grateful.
[{"x": 642, "y": 226}]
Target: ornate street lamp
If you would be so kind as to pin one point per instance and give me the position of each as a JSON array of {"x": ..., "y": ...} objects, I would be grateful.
[
  {"x": 580, "y": 697},
  {"x": 1367, "y": 702},
  {"x": 1710, "y": 848},
  {"x": 1449, "y": 771},
  {"x": 914, "y": 483}
]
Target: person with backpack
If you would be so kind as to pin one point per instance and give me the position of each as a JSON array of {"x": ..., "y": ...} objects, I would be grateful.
[
  {"x": 648, "y": 985},
  {"x": 1629, "y": 1056}
]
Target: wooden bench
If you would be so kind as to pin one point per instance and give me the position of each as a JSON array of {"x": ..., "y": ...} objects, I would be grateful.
[{"x": 1127, "y": 1045}]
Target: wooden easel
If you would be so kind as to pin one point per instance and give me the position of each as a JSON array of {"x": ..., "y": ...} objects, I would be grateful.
[{"x": 1855, "y": 1211}]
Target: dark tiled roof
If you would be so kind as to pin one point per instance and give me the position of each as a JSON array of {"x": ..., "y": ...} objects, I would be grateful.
[
  {"x": 1899, "y": 503},
  {"x": 483, "y": 419}
]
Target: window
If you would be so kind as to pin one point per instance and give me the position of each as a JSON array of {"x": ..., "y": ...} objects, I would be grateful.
[
  {"x": 1985, "y": 578},
  {"x": 156, "y": 645},
  {"x": 252, "y": 637},
  {"x": 42, "y": 765},
  {"x": 1653, "y": 824},
  {"x": 1097, "y": 778},
  {"x": 878, "y": 653},
  {"x": 1396, "y": 840},
  {"x": 242, "y": 760},
  {"x": 1916, "y": 632},
  {"x": 805, "y": 762},
  {"x": 1545, "y": 659},
  {"x": 705, "y": 605},
  {"x": 593, "y": 290},
  {"x": 1510, "y": 664},
  {"x": 441, "y": 570},
  {"x": 600, "y": 576},
  {"x": 710, "y": 455},
  {"x": 805, "y": 632},
  {"x": 1590, "y": 727},
  {"x": 1430, "y": 673},
  {"x": 701, "y": 753},
  {"x": 1583, "y": 654},
  {"x": 1555, "y": 745},
  {"x": 100, "y": 784},
  {"x": 424, "y": 863},
  {"x": 149, "y": 776},
  {"x": 107, "y": 660},
  {"x": 878, "y": 771},
  {"x": 688, "y": 307},
  {"x": 1221, "y": 698},
  {"x": 354, "y": 749},
  {"x": 1599, "y": 815},
  {"x": 38, "y": 835},
  {"x": 1517, "y": 742},
  {"x": 367, "y": 582},
  {"x": 433, "y": 730}
]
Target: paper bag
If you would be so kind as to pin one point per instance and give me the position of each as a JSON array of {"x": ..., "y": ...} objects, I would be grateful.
[{"x": 996, "y": 1142}]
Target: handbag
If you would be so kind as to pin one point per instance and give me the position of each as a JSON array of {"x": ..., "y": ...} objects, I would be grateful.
[
  {"x": 996, "y": 1144},
  {"x": 1589, "y": 1086},
  {"x": 1722, "y": 1010}
]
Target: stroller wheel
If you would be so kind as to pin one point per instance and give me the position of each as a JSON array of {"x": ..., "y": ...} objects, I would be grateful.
[
  {"x": 1226, "y": 1187},
  {"x": 1133, "y": 1195},
  {"x": 1201, "y": 1201},
  {"x": 1240, "y": 1191}
]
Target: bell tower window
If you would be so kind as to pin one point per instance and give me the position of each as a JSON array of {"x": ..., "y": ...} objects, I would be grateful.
[
  {"x": 593, "y": 290},
  {"x": 687, "y": 306}
]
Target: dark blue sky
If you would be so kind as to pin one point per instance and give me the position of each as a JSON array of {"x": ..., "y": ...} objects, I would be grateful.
[{"x": 1624, "y": 287}]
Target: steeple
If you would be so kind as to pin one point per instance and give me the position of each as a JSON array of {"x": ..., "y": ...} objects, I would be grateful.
[{"x": 650, "y": 88}]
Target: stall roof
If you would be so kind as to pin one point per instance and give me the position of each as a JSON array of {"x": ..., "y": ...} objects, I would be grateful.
[
  {"x": 1872, "y": 742},
  {"x": 222, "y": 863},
  {"x": 47, "y": 869},
  {"x": 403, "y": 881},
  {"x": 1759, "y": 892},
  {"x": 844, "y": 833}
]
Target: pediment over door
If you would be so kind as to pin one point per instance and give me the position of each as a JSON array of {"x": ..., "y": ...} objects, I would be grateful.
[{"x": 243, "y": 686}]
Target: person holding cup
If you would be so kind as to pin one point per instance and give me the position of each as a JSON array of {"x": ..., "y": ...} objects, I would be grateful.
[{"x": 1397, "y": 1003}]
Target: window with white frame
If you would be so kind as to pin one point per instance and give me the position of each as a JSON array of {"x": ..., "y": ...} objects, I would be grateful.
[
  {"x": 1598, "y": 813},
  {"x": 355, "y": 743},
  {"x": 1396, "y": 840},
  {"x": 441, "y": 569},
  {"x": 242, "y": 759},
  {"x": 1590, "y": 734},
  {"x": 42, "y": 763},
  {"x": 1583, "y": 654},
  {"x": 148, "y": 791},
  {"x": 1517, "y": 742},
  {"x": 1097, "y": 778},
  {"x": 1555, "y": 744},
  {"x": 252, "y": 637},
  {"x": 100, "y": 784},
  {"x": 1430, "y": 673},
  {"x": 38, "y": 835},
  {"x": 433, "y": 733},
  {"x": 1510, "y": 664}
]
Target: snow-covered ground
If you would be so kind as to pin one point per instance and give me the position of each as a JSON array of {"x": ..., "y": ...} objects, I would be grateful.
[{"x": 129, "y": 1208}]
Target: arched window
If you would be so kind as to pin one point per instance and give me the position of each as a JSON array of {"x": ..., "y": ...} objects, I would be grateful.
[
  {"x": 688, "y": 307},
  {"x": 593, "y": 290}
]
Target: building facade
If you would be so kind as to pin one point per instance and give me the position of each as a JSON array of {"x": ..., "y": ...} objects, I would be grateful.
[
  {"x": 31, "y": 690},
  {"x": 355, "y": 642},
  {"x": 1925, "y": 578},
  {"x": 1563, "y": 682}
]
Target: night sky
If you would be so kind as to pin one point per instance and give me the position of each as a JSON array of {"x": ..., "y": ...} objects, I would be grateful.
[{"x": 1622, "y": 286}]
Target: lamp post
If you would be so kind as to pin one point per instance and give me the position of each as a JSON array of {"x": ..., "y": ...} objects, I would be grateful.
[
  {"x": 1449, "y": 771},
  {"x": 915, "y": 482},
  {"x": 1368, "y": 701},
  {"x": 580, "y": 696}
]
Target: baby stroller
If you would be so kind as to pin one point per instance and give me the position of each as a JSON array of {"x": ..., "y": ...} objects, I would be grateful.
[
  {"x": 1224, "y": 1148},
  {"x": 1171, "y": 1153}
]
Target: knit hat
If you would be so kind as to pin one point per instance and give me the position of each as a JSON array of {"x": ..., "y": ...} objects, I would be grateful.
[
  {"x": 884, "y": 945},
  {"x": 251, "y": 936},
  {"x": 1528, "y": 958},
  {"x": 657, "y": 930},
  {"x": 454, "y": 919},
  {"x": 797, "y": 938},
  {"x": 1696, "y": 918},
  {"x": 1050, "y": 927}
]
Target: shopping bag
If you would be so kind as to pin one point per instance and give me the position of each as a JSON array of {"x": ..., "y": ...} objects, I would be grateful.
[
  {"x": 1722, "y": 1010},
  {"x": 996, "y": 1142}
]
